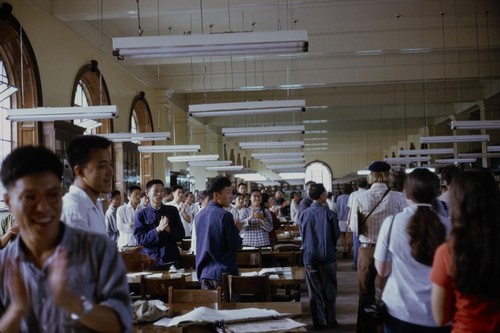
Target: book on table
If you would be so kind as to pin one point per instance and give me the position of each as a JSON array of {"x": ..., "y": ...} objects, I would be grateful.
[{"x": 265, "y": 271}]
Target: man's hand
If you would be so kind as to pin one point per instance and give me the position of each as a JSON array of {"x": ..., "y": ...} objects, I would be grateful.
[
  {"x": 135, "y": 260},
  {"x": 163, "y": 226},
  {"x": 19, "y": 299},
  {"x": 239, "y": 225},
  {"x": 14, "y": 229}
]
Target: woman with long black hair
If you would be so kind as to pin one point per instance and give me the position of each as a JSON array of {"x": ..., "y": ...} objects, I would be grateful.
[
  {"x": 466, "y": 270},
  {"x": 404, "y": 252}
]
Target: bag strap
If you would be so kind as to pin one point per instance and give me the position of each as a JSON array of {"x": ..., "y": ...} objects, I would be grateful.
[
  {"x": 389, "y": 237},
  {"x": 378, "y": 203}
]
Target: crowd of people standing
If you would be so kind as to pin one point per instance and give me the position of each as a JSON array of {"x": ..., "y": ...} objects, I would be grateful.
[{"x": 432, "y": 259}]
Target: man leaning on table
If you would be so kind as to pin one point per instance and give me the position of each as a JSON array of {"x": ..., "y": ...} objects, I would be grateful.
[
  {"x": 217, "y": 236},
  {"x": 55, "y": 278},
  {"x": 319, "y": 228}
]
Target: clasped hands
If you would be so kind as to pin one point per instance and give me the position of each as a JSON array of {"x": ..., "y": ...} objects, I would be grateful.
[{"x": 163, "y": 226}]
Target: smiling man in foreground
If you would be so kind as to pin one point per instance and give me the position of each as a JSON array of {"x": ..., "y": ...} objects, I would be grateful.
[{"x": 55, "y": 278}]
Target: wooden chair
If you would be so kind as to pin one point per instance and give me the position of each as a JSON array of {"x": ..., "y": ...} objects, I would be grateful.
[
  {"x": 292, "y": 254},
  {"x": 188, "y": 261},
  {"x": 157, "y": 288},
  {"x": 246, "y": 288},
  {"x": 248, "y": 258},
  {"x": 181, "y": 301}
]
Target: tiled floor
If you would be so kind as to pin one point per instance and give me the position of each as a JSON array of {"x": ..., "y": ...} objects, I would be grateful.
[{"x": 347, "y": 299}]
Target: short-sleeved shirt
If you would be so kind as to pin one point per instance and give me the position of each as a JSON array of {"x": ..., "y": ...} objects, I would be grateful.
[
  {"x": 255, "y": 233},
  {"x": 95, "y": 270},
  {"x": 81, "y": 213},
  {"x": 472, "y": 314},
  {"x": 407, "y": 292}
]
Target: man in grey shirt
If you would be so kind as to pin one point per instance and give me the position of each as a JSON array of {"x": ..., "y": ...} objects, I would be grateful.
[{"x": 55, "y": 278}]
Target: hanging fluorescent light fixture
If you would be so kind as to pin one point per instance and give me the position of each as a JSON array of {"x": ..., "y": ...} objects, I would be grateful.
[
  {"x": 475, "y": 124},
  {"x": 271, "y": 145},
  {"x": 222, "y": 44},
  {"x": 170, "y": 149},
  {"x": 455, "y": 160},
  {"x": 406, "y": 160},
  {"x": 479, "y": 155},
  {"x": 250, "y": 176},
  {"x": 454, "y": 138},
  {"x": 493, "y": 149},
  {"x": 410, "y": 170},
  {"x": 268, "y": 130},
  {"x": 285, "y": 166},
  {"x": 434, "y": 151},
  {"x": 363, "y": 172},
  {"x": 225, "y": 168},
  {"x": 209, "y": 163},
  {"x": 245, "y": 108},
  {"x": 292, "y": 175},
  {"x": 143, "y": 136},
  {"x": 63, "y": 113},
  {"x": 282, "y": 160},
  {"x": 277, "y": 155},
  {"x": 190, "y": 158}
]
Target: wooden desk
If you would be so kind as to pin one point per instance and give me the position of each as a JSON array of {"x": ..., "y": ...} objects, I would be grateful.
[
  {"x": 290, "y": 275},
  {"x": 294, "y": 308}
]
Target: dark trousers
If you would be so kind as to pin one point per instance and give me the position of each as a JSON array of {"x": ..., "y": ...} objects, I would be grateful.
[
  {"x": 322, "y": 286},
  {"x": 355, "y": 239},
  {"x": 370, "y": 284},
  {"x": 394, "y": 325}
]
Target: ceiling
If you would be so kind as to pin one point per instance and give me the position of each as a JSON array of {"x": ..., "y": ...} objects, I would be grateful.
[{"x": 376, "y": 73}]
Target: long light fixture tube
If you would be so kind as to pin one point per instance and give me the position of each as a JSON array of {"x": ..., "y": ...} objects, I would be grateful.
[
  {"x": 141, "y": 136},
  {"x": 209, "y": 163},
  {"x": 271, "y": 144},
  {"x": 455, "y": 160},
  {"x": 63, "y": 113},
  {"x": 454, "y": 138},
  {"x": 493, "y": 149},
  {"x": 267, "y": 130},
  {"x": 223, "y": 44},
  {"x": 277, "y": 155},
  {"x": 246, "y": 108},
  {"x": 190, "y": 158},
  {"x": 406, "y": 160},
  {"x": 170, "y": 149},
  {"x": 433, "y": 151},
  {"x": 475, "y": 124},
  {"x": 225, "y": 168}
]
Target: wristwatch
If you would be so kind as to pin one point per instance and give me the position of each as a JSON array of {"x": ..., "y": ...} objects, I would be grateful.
[{"x": 87, "y": 306}]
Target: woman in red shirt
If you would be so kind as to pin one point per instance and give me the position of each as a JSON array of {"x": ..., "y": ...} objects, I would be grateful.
[{"x": 466, "y": 271}]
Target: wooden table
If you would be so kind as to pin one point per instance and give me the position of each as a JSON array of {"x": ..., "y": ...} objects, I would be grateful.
[
  {"x": 290, "y": 276},
  {"x": 293, "y": 308}
]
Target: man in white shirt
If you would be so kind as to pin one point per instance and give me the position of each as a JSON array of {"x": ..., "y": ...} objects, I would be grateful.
[
  {"x": 362, "y": 185},
  {"x": 115, "y": 201},
  {"x": 125, "y": 218},
  {"x": 294, "y": 207},
  {"x": 381, "y": 202},
  {"x": 182, "y": 207},
  {"x": 90, "y": 159}
]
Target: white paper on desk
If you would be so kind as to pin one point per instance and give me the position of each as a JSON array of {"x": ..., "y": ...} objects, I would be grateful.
[
  {"x": 205, "y": 314},
  {"x": 284, "y": 324},
  {"x": 136, "y": 274},
  {"x": 253, "y": 273},
  {"x": 162, "y": 322},
  {"x": 155, "y": 275},
  {"x": 274, "y": 277}
]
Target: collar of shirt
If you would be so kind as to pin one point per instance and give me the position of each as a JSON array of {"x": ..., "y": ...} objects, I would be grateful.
[
  {"x": 83, "y": 197},
  {"x": 376, "y": 187}
]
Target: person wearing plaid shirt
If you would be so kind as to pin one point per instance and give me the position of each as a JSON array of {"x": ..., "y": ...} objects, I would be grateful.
[{"x": 257, "y": 222}]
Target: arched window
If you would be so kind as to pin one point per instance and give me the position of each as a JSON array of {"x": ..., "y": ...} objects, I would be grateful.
[
  {"x": 89, "y": 88},
  {"x": 319, "y": 172},
  {"x": 18, "y": 68},
  {"x": 5, "y": 104}
]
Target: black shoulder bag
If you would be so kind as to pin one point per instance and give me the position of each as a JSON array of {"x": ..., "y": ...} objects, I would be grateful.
[
  {"x": 362, "y": 219},
  {"x": 378, "y": 310}
]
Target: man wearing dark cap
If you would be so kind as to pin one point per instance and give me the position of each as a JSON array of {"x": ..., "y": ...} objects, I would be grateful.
[{"x": 375, "y": 205}]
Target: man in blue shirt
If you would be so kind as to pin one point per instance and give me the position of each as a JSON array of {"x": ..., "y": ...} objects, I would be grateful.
[
  {"x": 319, "y": 228},
  {"x": 158, "y": 227},
  {"x": 217, "y": 236}
]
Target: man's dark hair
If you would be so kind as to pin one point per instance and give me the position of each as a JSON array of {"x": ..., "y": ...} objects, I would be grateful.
[
  {"x": 242, "y": 184},
  {"x": 362, "y": 182},
  {"x": 237, "y": 195},
  {"x": 143, "y": 194},
  {"x": 78, "y": 152},
  {"x": 186, "y": 194},
  {"x": 28, "y": 160},
  {"x": 177, "y": 187},
  {"x": 448, "y": 173},
  {"x": 167, "y": 191},
  {"x": 153, "y": 182},
  {"x": 316, "y": 190},
  {"x": 133, "y": 188},
  {"x": 113, "y": 194},
  {"x": 217, "y": 184},
  {"x": 202, "y": 195}
]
